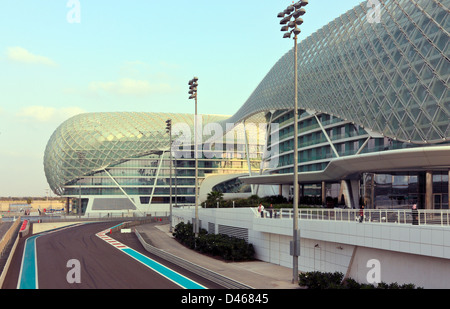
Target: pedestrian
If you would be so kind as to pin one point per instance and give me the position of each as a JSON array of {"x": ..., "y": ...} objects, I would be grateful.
[
  {"x": 361, "y": 214},
  {"x": 270, "y": 210},
  {"x": 261, "y": 210},
  {"x": 415, "y": 215}
]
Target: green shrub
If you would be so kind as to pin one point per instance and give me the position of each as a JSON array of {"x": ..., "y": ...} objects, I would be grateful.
[
  {"x": 328, "y": 280},
  {"x": 227, "y": 247},
  {"x": 318, "y": 280},
  {"x": 350, "y": 283}
]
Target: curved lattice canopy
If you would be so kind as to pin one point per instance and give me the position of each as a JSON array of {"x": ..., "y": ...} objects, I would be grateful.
[
  {"x": 89, "y": 142},
  {"x": 390, "y": 77}
]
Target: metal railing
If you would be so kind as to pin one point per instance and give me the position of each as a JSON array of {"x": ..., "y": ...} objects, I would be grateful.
[
  {"x": 393, "y": 216},
  {"x": 197, "y": 269},
  {"x": 113, "y": 216},
  {"x": 7, "y": 237}
]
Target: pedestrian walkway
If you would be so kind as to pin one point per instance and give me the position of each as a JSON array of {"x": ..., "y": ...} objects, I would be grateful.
[{"x": 257, "y": 274}]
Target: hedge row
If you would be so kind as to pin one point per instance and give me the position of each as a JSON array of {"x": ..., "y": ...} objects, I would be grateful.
[
  {"x": 227, "y": 247},
  {"x": 328, "y": 280}
]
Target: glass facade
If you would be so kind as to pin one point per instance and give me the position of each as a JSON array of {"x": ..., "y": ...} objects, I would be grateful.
[
  {"x": 128, "y": 154},
  {"x": 401, "y": 190},
  {"x": 389, "y": 77},
  {"x": 316, "y": 131},
  {"x": 364, "y": 88}
]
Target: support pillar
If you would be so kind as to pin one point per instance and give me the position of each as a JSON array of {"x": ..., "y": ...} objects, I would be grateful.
[
  {"x": 351, "y": 193},
  {"x": 324, "y": 193},
  {"x": 301, "y": 193},
  {"x": 429, "y": 190},
  {"x": 448, "y": 192}
]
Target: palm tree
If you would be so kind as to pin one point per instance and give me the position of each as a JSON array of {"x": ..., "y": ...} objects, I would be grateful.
[{"x": 214, "y": 197}]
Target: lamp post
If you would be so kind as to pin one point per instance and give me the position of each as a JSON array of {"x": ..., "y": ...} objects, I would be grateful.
[
  {"x": 291, "y": 19},
  {"x": 169, "y": 131},
  {"x": 193, "y": 84},
  {"x": 81, "y": 156}
]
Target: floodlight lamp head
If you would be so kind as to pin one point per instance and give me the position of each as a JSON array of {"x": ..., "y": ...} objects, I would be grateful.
[
  {"x": 193, "y": 81},
  {"x": 299, "y": 13},
  {"x": 285, "y": 20}
]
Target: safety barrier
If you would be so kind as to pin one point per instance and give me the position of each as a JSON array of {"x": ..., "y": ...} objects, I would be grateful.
[
  {"x": 397, "y": 216},
  {"x": 24, "y": 229},
  {"x": 8, "y": 235},
  {"x": 196, "y": 269},
  {"x": 4, "y": 242},
  {"x": 129, "y": 224}
]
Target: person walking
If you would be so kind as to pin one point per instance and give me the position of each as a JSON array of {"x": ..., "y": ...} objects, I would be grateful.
[
  {"x": 261, "y": 210},
  {"x": 415, "y": 215},
  {"x": 270, "y": 210},
  {"x": 361, "y": 214}
]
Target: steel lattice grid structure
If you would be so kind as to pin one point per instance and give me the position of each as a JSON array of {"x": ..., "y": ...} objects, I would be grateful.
[
  {"x": 390, "y": 77},
  {"x": 90, "y": 142}
]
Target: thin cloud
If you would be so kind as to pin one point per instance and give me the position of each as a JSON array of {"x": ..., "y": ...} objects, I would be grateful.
[
  {"x": 20, "y": 54},
  {"x": 128, "y": 86},
  {"x": 169, "y": 65},
  {"x": 135, "y": 69},
  {"x": 48, "y": 114}
]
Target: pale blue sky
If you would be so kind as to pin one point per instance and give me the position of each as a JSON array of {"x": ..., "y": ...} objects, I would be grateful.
[{"x": 135, "y": 55}]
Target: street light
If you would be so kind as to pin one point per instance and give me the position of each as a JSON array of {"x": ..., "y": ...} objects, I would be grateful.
[
  {"x": 81, "y": 156},
  {"x": 291, "y": 19},
  {"x": 169, "y": 131},
  {"x": 193, "y": 84}
]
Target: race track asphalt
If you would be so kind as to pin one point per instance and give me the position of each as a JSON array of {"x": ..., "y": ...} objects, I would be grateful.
[{"x": 102, "y": 265}]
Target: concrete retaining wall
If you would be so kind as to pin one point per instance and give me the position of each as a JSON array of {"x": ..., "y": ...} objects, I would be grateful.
[{"x": 406, "y": 253}]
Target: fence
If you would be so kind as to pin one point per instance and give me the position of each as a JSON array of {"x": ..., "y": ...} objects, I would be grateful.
[
  {"x": 196, "y": 269},
  {"x": 397, "y": 216},
  {"x": 6, "y": 238},
  {"x": 87, "y": 217}
]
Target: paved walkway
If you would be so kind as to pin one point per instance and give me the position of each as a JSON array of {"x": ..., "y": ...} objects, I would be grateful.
[{"x": 257, "y": 274}]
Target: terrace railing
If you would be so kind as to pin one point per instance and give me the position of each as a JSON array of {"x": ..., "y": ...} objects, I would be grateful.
[{"x": 392, "y": 216}]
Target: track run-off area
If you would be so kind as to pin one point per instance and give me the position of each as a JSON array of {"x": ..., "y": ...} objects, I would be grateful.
[{"x": 87, "y": 256}]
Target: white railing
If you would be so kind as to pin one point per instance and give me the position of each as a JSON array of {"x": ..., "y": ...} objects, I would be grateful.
[
  {"x": 97, "y": 216},
  {"x": 393, "y": 216}
]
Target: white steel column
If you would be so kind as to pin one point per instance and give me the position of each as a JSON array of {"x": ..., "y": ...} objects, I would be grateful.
[
  {"x": 121, "y": 189},
  {"x": 156, "y": 177},
  {"x": 326, "y": 136}
]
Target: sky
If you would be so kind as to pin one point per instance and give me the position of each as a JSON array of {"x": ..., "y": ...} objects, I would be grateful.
[{"x": 60, "y": 58}]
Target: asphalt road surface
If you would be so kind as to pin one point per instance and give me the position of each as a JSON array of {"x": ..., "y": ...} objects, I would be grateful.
[{"x": 101, "y": 266}]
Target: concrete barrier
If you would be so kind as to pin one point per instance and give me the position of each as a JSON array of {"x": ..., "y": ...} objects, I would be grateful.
[
  {"x": 9, "y": 236},
  {"x": 25, "y": 228},
  {"x": 128, "y": 224}
]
